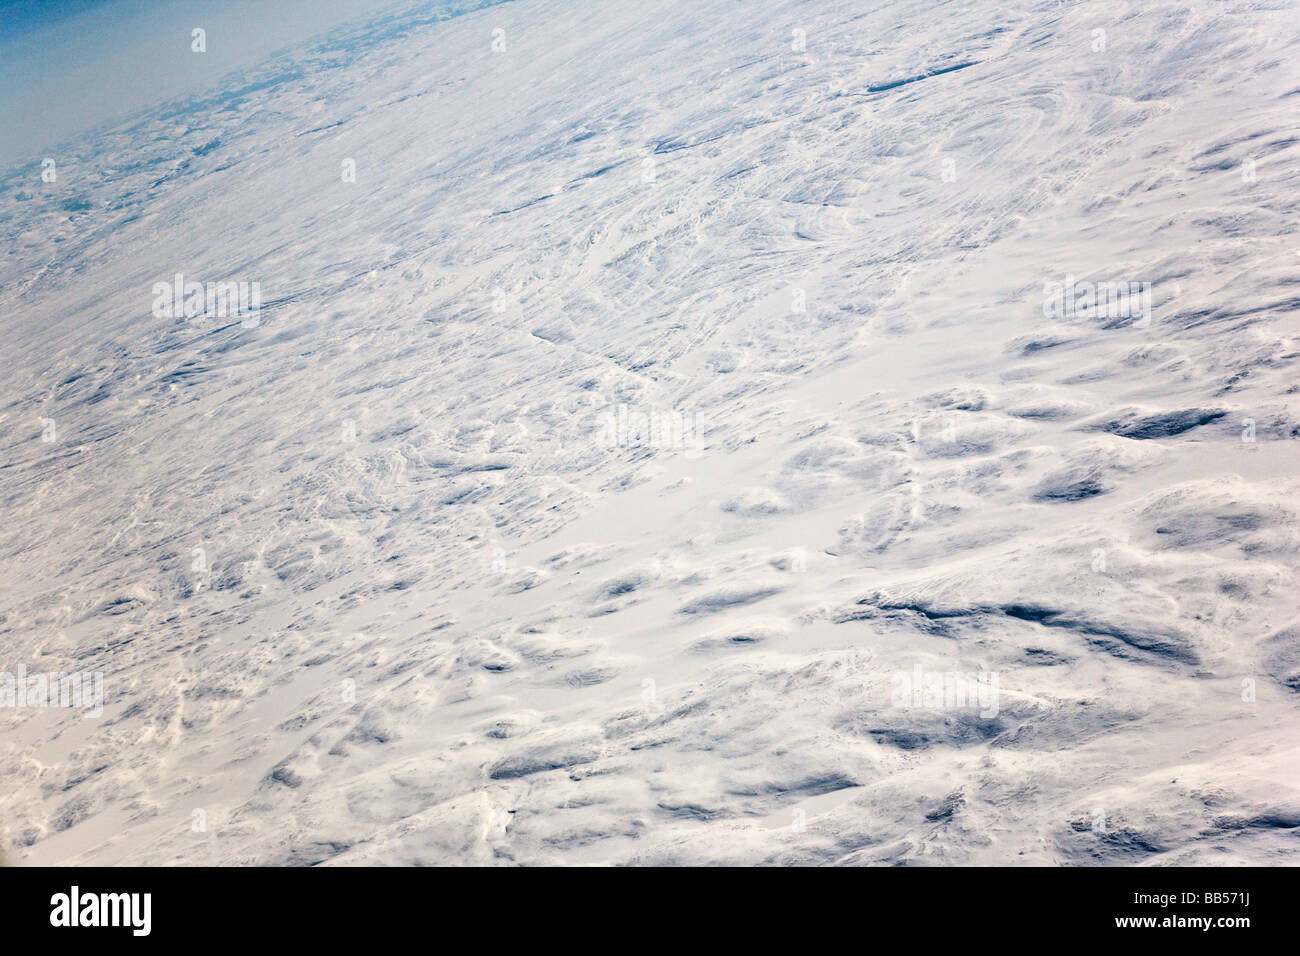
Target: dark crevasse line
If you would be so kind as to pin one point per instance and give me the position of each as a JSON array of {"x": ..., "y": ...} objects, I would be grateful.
[{"x": 923, "y": 76}]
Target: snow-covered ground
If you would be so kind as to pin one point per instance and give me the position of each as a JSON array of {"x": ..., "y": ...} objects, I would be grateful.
[{"x": 668, "y": 388}]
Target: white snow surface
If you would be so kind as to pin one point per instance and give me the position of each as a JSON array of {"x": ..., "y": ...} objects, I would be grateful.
[{"x": 441, "y": 617}]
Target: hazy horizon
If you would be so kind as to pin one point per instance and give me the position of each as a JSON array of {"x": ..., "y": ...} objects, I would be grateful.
[{"x": 68, "y": 69}]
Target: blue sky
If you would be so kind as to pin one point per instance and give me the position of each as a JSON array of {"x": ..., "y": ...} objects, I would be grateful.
[
  {"x": 68, "y": 66},
  {"x": 20, "y": 16}
]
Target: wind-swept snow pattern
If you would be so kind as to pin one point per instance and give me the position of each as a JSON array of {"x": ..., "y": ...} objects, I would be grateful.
[{"x": 666, "y": 433}]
